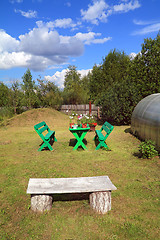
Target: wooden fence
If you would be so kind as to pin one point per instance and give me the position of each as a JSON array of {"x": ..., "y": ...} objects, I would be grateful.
[{"x": 80, "y": 109}]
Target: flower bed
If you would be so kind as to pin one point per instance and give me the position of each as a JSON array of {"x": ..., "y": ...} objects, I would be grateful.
[{"x": 83, "y": 120}]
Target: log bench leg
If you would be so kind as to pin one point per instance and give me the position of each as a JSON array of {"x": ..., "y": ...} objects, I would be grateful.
[
  {"x": 100, "y": 201},
  {"x": 41, "y": 203}
]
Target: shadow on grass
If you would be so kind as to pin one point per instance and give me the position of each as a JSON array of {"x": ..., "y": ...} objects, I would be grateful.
[
  {"x": 128, "y": 130},
  {"x": 73, "y": 142},
  {"x": 97, "y": 143},
  {"x": 46, "y": 148},
  {"x": 137, "y": 154},
  {"x": 70, "y": 197}
]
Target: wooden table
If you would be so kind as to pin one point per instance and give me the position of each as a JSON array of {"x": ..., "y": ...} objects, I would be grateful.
[{"x": 79, "y": 133}]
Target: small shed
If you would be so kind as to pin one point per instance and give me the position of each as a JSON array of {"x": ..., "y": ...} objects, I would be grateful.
[{"x": 145, "y": 121}]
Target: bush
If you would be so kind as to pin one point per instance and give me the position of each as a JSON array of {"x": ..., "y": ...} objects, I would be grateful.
[
  {"x": 6, "y": 112},
  {"x": 147, "y": 149}
]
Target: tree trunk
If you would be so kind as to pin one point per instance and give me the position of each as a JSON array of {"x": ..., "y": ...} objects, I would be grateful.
[
  {"x": 100, "y": 201},
  {"x": 41, "y": 203}
]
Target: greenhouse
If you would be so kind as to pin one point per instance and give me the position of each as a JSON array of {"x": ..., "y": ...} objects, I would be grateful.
[{"x": 145, "y": 121}]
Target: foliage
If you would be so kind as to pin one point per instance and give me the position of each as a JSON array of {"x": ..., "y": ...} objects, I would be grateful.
[
  {"x": 6, "y": 112},
  {"x": 96, "y": 82},
  {"x": 28, "y": 86},
  {"x": 74, "y": 90},
  {"x": 73, "y": 117},
  {"x": 88, "y": 119},
  {"x": 147, "y": 149},
  {"x": 122, "y": 82},
  {"x": 113, "y": 69},
  {"x": 81, "y": 118},
  {"x": 117, "y": 104},
  {"x": 17, "y": 97},
  {"x": 145, "y": 68},
  {"x": 4, "y": 95},
  {"x": 48, "y": 94}
]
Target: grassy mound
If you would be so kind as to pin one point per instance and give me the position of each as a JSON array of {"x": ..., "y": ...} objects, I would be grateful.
[{"x": 30, "y": 118}]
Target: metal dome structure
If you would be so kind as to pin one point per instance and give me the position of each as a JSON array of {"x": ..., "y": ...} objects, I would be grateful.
[{"x": 145, "y": 121}]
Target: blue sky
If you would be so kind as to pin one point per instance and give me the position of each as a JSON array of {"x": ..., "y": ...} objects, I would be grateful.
[{"x": 48, "y": 35}]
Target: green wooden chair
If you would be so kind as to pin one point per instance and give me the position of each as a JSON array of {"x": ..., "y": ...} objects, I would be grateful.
[
  {"x": 42, "y": 128},
  {"x": 107, "y": 128}
]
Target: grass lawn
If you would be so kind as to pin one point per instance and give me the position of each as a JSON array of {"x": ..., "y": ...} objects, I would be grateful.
[{"x": 135, "y": 204}]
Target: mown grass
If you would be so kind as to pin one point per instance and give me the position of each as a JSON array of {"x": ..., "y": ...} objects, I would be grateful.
[{"x": 135, "y": 205}]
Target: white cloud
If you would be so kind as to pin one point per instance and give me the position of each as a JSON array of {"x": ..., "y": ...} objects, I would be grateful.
[
  {"x": 149, "y": 29},
  {"x": 125, "y": 7},
  {"x": 49, "y": 43},
  {"x": 7, "y": 43},
  {"x": 64, "y": 23},
  {"x": 132, "y": 55},
  {"x": 50, "y": 49},
  {"x": 18, "y": 1},
  {"x": 100, "y": 11},
  {"x": 95, "y": 12},
  {"x": 68, "y": 4},
  {"x": 8, "y": 60},
  {"x": 58, "y": 23},
  {"x": 84, "y": 72},
  {"x": 140, "y": 22},
  {"x": 21, "y": 59},
  {"x": 43, "y": 47},
  {"x": 89, "y": 38},
  {"x": 28, "y": 14},
  {"x": 58, "y": 77}
]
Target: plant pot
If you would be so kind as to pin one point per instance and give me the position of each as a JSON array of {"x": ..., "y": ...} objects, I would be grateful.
[
  {"x": 71, "y": 125},
  {"x": 84, "y": 125}
]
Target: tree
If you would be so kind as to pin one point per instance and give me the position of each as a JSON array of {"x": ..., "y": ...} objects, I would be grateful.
[
  {"x": 5, "y": 99},
  {"x": 73, "y": 90},
  {"x": 28, "y": 86},
  {"x": 118, "y": 103},
  {"x": 96, "y": 82},
  {"x": 15, "y": 95},
  {"x": 114, "y": 68},
  {"x": 49, "y": 94},
  {"x": 145, "y": 68}
]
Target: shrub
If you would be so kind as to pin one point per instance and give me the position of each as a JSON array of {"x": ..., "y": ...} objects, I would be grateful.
[
  {"x": 147, "y": 149},
  {"x": 6, "y": 112}
]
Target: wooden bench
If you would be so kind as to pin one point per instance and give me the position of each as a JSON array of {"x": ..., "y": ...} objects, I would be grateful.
[
  {"x": 99, "y": 189},
  {"x": 45, "y": 134},
  {"x": 107, "y": 128}
]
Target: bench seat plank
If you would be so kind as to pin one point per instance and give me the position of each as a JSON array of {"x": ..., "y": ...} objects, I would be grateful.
[
  {"x": 100, "y": 135},
  {"x": 69, "y": 185},
  {"x": 49, "y": 134}
]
